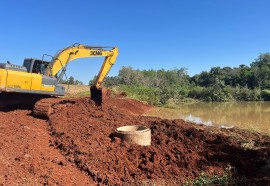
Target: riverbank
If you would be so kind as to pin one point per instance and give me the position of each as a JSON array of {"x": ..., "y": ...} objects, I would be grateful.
[{"x": 253, "y": 116}]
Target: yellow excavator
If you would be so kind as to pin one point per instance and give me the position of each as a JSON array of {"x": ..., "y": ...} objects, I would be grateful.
[{"x": 38, "y": 78}]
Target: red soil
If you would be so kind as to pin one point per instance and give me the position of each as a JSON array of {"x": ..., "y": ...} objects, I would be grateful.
[{"x": 76, "y": 146}]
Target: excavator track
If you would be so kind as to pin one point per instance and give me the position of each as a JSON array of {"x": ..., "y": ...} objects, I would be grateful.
[
  {"x": 41, "y": 105},
  {"x": 10, "y": 100},
  {"x": 44, "y": 107}
]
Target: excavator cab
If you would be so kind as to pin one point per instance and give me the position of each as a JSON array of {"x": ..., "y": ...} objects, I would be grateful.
[{"x": 35, "y": 65}]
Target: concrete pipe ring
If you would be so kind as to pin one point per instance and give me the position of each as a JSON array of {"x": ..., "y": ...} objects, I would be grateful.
[{"x": 134, "y": 134}]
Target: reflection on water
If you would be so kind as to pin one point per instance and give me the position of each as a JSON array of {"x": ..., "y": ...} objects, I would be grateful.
[
  {"x": 251, "y": 115},
  {"x": 197, "y": 120}
]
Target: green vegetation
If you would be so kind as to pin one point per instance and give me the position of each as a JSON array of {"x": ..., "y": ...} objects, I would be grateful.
[
  {"x": 205, "y": 179},
  {"x": 225, "y": 179},
  {"x": 150, "y": 95},
  {"x": 243, "y": 83},
  {"x": 84, "y": 93},
  {"x": 71, "y": 81}
]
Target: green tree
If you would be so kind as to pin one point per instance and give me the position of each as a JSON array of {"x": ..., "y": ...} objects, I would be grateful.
[
  {"x": 262, "y": 61},
  {"x": 71, "y": 80}
]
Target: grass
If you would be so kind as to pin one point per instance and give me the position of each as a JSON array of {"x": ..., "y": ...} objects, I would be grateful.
[
  {"x": 224, "y": 179},
  {"x": 77, "y": 90},
  {"x": 205, "y": 179},
  {"x": 84, "y": 93}
]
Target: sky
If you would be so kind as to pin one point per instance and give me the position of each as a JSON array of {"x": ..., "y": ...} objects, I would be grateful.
[{"x": 150, "y": 34}]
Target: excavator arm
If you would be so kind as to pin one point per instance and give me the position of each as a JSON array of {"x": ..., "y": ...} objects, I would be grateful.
[{"x": 63, "y": 57}]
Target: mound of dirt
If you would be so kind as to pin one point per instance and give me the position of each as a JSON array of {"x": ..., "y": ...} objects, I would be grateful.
[
  {"x": 27, "y": 154},
  {"x": 179, "y": 150},
  {"x": 76, "y": 146}
]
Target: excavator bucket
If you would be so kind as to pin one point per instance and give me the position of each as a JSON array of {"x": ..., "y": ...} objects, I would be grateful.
[{"x": 98, "y": 95}]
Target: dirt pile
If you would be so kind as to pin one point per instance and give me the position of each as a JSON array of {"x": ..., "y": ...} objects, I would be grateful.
[
  {"x": 179, "y": 150},
  {"x": 76, "y": 146},
  {"x": 27, "y": 155}
]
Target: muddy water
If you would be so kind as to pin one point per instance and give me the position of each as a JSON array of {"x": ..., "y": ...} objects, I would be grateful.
[{"x": 249, "y": 115}]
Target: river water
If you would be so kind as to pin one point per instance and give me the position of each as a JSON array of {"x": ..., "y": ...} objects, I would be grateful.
[{"x": 249, "y": 115}]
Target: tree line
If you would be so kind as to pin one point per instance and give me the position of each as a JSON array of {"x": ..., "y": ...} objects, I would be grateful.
[
  {"x": 243, "y": 83},
  {"x": 71, "y": 81}
]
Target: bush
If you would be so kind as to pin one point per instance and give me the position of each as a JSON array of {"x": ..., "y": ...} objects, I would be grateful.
[
  {"x": 215, "y": 93},
  {"x": 198, "y": 92},
  {"x": 143, "y": 93},
  {"x": 245, "y": 94},
  {"x": 265, "y": 94}
]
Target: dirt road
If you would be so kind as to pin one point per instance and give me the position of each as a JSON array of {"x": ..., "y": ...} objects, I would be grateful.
[{"x": 76, "y": 146}]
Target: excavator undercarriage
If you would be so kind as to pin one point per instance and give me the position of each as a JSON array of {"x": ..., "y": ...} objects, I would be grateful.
[
  {"x": 42, "y": 105},
  {"x": 12, "y": 100}
]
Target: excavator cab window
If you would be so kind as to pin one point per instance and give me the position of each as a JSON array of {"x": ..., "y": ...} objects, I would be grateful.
[
  {"x": 35, "y": 65},
  {"x": 39, "y": 66},
  {"x": 27, "y": 63}
]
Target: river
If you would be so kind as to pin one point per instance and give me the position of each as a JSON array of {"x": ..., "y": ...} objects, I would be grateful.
[{"x": 248, "y": 115}]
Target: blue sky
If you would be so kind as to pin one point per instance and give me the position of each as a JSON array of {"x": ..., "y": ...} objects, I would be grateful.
[{"x": 150, "y": 34}]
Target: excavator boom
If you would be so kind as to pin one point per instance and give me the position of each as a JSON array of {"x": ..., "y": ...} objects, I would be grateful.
[{"x": 62, "y": 58}]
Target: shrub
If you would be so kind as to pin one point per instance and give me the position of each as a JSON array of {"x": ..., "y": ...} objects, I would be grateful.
[
  {"x": 265, "y": 94},
  {"x": 143, "y": 93}
]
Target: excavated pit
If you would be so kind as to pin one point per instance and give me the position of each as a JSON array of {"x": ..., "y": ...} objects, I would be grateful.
[{"x": 74, "y": 146}]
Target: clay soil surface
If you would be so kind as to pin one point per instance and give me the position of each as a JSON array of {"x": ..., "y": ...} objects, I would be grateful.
[{"x": 75, "y": 145}]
